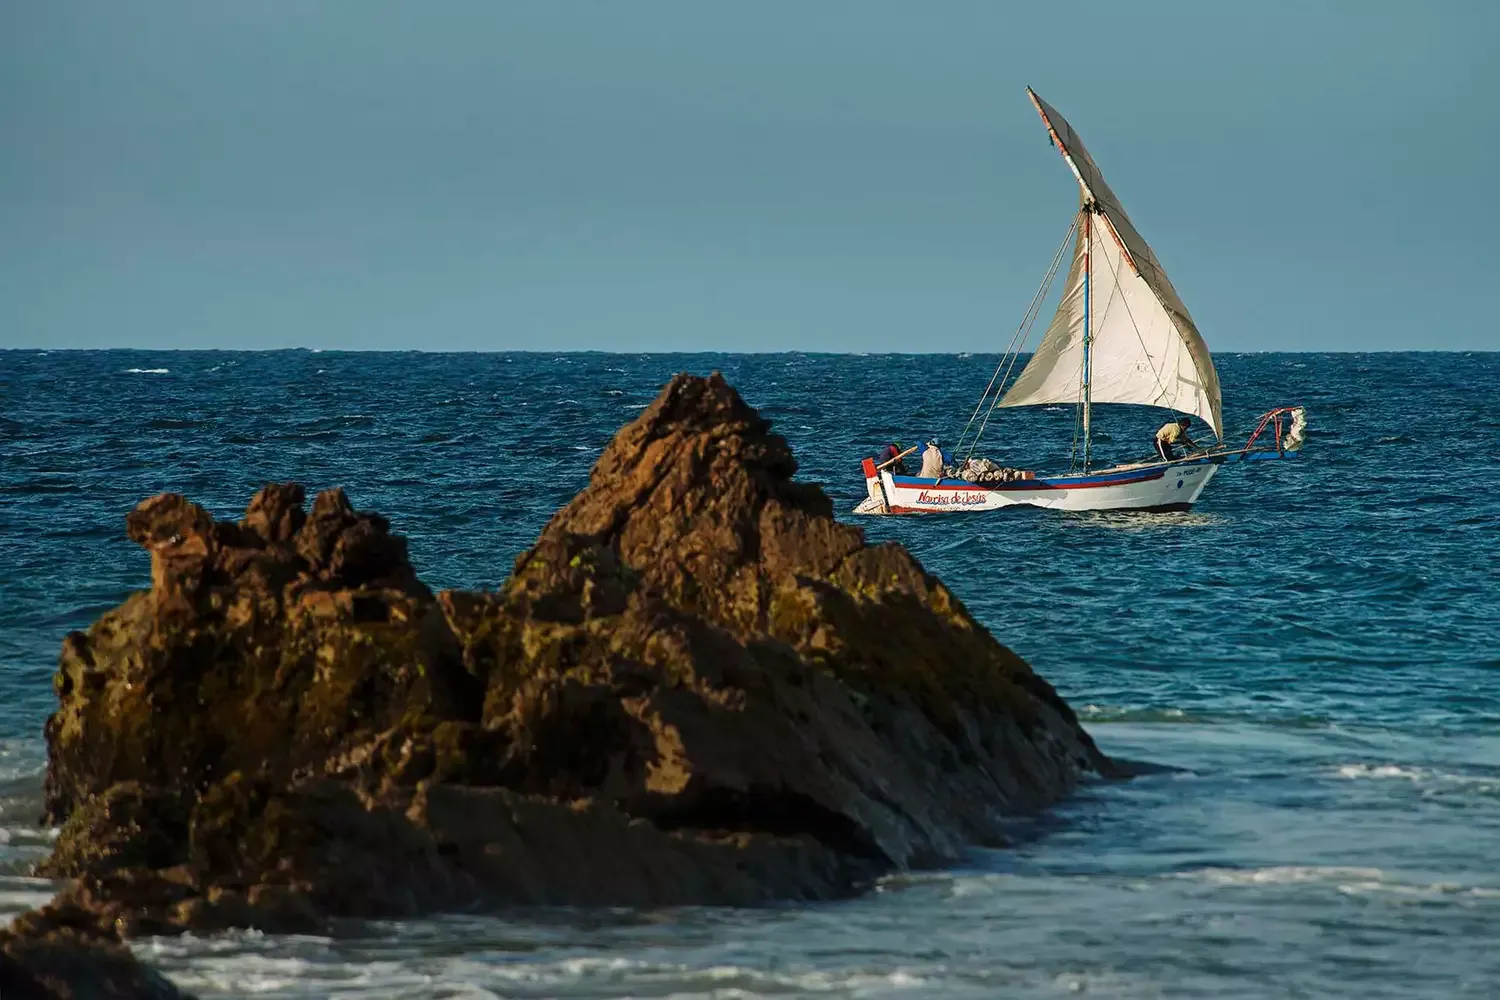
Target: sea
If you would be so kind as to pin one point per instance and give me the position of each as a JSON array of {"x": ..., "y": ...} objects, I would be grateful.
[{"x": 1312, "y": 653}]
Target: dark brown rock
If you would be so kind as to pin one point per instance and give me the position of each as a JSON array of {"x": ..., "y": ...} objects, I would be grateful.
[
  {"x": 275, "y": 513},
  {"x": 57, "y": 953},
  {"x": 249, "y": 653},
  {"x": 696, "y": 687}
]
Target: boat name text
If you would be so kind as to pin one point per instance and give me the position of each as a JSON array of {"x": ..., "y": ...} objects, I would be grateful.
[{"x": 964, "y": 499}]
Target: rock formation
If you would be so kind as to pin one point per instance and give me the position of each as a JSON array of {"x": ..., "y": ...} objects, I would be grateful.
[
  {"x": 44, "y": 957},
  {"x": 696, "y": 687}
]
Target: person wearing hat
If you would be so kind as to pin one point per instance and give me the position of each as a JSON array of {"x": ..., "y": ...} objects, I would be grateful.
[
  {"x": 1172, "y": 434},
  {"x": 932, "y": 462}
]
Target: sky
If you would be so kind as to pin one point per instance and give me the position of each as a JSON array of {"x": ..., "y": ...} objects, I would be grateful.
[{"x": 682, "y": 175}]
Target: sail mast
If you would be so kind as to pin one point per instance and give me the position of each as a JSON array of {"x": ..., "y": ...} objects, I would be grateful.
[{"x": 1088, "y": 246}]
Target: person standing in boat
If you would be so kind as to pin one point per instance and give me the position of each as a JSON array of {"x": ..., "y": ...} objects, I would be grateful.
[
  {"x": 1171, "y": 435},
  {"x": 932, "y": 462}
]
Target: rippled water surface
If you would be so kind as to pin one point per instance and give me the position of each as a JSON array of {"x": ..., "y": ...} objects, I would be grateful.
[{"x": 1316, "y": 646}]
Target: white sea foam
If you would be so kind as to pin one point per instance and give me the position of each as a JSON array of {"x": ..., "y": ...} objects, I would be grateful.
[
  {"x": 1345, "y": 880},
  {"x": 1381, "y": 771},
  {"x": 1406, "y": 890},
  {"x": 1104, "y": 984},
  {"x": 1134, "y": 713},
  {"x": 628, "y": 971},
  {"x": 240, "y": 964},
  {"x": 1431, "y": 781},
  {"x": 19, "y": 893},
  {"x": 148, "y": 371},
  {"x": 1282, "y": 875}
]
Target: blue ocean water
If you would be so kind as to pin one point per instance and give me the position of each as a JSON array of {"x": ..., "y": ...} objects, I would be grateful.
[{"x": 1316, "y": 646}]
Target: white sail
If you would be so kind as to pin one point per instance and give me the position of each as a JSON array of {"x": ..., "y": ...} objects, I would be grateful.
[{"x": 1145, "y": 348}]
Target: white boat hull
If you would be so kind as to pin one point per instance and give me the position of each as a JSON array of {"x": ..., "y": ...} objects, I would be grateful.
[{"x": 1162, "y": 486}]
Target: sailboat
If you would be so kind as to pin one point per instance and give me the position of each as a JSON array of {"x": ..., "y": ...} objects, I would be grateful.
[{"x": 1120, "y": 334}]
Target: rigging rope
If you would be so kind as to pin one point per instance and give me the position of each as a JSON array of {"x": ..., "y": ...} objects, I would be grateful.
[{"x": 1012, "y": 350}]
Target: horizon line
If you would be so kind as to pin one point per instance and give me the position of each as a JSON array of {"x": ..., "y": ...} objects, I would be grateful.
[{"x": 656, "y": 353}]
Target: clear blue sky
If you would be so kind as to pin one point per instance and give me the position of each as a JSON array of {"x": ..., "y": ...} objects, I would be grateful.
[{"x": 768, "y": 175}]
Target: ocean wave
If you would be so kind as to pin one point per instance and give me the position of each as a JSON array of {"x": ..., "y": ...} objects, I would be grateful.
[
  {"x": 257, "y": 969},
  {"x": 19, "y": 893},
  {"x": 42, "y": 486},
  {"x": 170, "y": 424},
  {"x": 1380, "y": 771},
  {"x": 1430, "y": 779},
  {"x": 1343, "y": 879},
  {"x": 1417, "y": 891},
  {"x": 1280, "y": 875},
  {"x": 147, "y": 371},
  {"x": 1123, "y": 713},
  {"x": 1138, "y": 520},
  {"x": 251, "y": 973}
]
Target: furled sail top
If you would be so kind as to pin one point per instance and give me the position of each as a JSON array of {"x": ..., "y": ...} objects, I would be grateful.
[{"x": 1145, "y": 347}]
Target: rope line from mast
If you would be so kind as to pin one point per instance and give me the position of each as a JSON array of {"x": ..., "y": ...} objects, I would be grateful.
[{"x": 1013, "y": 349}]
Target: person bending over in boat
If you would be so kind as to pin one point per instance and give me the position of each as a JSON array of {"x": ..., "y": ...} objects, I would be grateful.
[
  {"x": 1171, "y": 435},
  {"x": 892, "y": 454}
]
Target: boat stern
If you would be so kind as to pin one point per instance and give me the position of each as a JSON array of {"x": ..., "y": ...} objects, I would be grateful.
[{"x": 874, "y": 501}]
